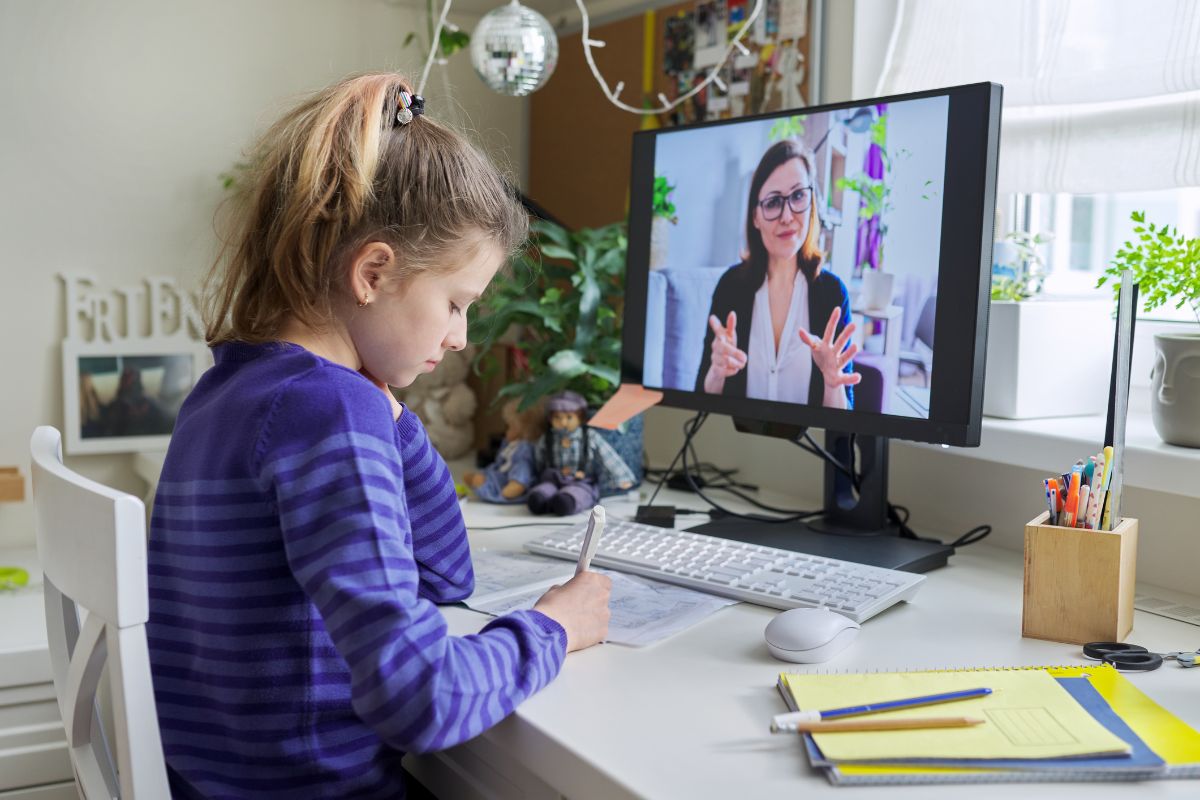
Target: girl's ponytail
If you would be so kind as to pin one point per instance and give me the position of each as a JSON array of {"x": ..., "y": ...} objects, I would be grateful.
[{"x": 339, "y": 170}]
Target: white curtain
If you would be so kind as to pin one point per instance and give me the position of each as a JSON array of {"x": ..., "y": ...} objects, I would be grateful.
[{"x": 1099, "y": 95}]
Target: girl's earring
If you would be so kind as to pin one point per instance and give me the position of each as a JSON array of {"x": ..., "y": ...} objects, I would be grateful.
[{"x": 363, "y": 303}]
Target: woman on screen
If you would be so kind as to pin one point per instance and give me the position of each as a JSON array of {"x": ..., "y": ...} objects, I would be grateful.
[{"x": 779, "y": 324}]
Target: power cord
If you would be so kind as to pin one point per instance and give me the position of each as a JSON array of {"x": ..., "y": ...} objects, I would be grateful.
[
  {"x": 561, "y": 523},
  {"x": 896, "y": 513},
  {"x": 690, "y": 429}
]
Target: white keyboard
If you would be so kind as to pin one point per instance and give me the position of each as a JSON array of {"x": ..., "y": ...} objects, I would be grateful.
[{"x": 767, "y": 576}]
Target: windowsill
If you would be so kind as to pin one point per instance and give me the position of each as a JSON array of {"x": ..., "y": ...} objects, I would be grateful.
[{"x": 1053, "y": 444}]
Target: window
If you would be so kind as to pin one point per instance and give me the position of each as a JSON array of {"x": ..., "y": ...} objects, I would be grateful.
[{"x": 1089, "y": 229}]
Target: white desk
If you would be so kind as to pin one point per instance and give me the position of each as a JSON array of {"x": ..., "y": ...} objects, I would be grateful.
[{"x": 687, "y": 717}]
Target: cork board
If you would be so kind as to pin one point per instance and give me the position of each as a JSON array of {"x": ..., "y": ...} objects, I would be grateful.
[{"x": 579, "y": 143}]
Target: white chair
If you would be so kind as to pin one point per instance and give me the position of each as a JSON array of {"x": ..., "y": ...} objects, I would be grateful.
[{"x": 91, "y": 542}]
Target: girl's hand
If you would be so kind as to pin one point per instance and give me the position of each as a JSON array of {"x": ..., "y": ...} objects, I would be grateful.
[
  {"x": 727, "y": 360},
  {"x": 831, "y": 355},
  {"x": 383, "y": 387},
  {"x": 581, "y": 606}
]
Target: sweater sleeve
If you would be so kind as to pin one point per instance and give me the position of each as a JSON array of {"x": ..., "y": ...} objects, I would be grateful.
[
  {"x": 327, "y": 454},
  {"x": 439, "y": 533}
]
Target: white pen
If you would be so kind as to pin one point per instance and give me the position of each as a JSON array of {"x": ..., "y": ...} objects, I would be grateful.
[{"x": 591, "y": 539}]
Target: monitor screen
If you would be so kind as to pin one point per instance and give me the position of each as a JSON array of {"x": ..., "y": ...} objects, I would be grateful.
[{"x": 827, "y": 266}]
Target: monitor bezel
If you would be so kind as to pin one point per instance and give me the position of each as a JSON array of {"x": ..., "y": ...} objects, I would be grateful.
[{"x": 968, "y": 218}]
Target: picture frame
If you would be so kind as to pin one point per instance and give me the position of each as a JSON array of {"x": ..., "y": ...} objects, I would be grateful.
[{"x": 124, "y": 396}]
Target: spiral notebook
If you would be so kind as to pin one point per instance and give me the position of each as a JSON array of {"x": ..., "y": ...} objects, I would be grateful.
[{"x": 1159, "y": 744}]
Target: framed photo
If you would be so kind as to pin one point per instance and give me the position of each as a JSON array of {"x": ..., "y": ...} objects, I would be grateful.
[{"x": 121, "y": 397}]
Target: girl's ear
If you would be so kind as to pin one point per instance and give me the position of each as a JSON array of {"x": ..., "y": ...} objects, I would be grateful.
[{"x": 368, "y": 268}]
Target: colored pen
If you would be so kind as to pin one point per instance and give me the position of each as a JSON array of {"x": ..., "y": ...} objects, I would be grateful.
[
  {"x": 847, "y": 725},
  {"x": 1106, "y": 521},
  {"x": 1081, "y": 517},
  {"x": 591, "y": 539},
  {"x": 1050, "y": 501},
  {"x": 1072, "y": 499},
  {"x": 795, "y": 717},
  {"x": 1089, "y": 519}
]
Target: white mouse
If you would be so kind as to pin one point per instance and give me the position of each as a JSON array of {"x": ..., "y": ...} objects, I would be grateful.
[{"x": 809, "y": 635}]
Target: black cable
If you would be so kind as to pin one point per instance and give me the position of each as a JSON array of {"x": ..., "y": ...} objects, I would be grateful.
[
  {"x": 707, "y": 474},
  {"x": 976, "y": 534},
  {"x": 690, "y": 428},
  {"x": 818, "y": 450},
  {"x": 560, "y": 524},
  {"x": 666, "y": 473}
]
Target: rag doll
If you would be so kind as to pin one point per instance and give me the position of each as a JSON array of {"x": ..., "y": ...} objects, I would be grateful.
[
  {"x": 508, "y": 478},
  {"x": 573, "y": 462}
]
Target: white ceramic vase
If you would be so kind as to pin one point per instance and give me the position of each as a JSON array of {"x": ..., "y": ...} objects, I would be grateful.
[{"x": 1175, "y": 398}]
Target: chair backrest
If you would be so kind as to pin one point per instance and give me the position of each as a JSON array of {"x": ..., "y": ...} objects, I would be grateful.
[
  {"x": 92, "y": 546},
  {"x": 868, "y": 393},
  {"x": 924, "y": 329}
]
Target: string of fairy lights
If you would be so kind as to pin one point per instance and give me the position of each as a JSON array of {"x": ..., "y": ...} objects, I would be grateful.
[{"x": 514, "y": 50}]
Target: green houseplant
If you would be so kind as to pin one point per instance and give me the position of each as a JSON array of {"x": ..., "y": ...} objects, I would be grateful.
[
  {"x": 1018, "y": 272},
  {"x": 1165, "y": 265},
  {"x": 563, "y": 298},
  {"x": 555, "y": 320}
]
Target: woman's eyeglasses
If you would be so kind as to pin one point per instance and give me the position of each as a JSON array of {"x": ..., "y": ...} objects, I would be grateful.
[{"x": 798, "y": 201}]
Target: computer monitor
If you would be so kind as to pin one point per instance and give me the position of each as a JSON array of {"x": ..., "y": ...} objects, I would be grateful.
[{"x": 754, "y": 244}]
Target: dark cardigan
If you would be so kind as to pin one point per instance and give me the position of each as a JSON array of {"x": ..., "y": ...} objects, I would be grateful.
[{"x": 735, "y": 292}]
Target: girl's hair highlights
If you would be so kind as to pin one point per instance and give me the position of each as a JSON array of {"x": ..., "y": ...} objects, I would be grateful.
[{"x": 334, "y": 173}]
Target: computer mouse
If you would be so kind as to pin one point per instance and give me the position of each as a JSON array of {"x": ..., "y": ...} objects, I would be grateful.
[{"x": 809, "y": 635}]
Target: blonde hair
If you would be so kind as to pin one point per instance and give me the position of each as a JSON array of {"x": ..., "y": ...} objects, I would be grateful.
[{"x": 337, "y": 172}]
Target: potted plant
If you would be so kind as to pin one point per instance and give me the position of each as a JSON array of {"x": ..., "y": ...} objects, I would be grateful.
[
  {"x": 1165, "y": 265},
  {"x": 555, "y": 320},
  {"x": 663, "y": 214},
  {"x": 1025, "y": 368}
]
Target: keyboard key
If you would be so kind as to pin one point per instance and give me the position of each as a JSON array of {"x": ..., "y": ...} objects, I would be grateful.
[{"x": 778, "y": 578}]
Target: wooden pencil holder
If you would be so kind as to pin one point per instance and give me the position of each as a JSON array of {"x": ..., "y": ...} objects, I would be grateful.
[{"x": 1078, "y": 583}]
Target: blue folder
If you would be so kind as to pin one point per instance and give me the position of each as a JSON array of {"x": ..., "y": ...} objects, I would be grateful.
[{"x": 1141, "y": 762}]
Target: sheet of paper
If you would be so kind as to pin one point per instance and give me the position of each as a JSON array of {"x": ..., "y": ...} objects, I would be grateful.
[
  {"x": 793, "y": 19},
  {"x": 499, "y": 575},
  {"x": 630, "y": 400},
  {"x": 643, "y": 611},
  {"x": 1028, "y": 715}
]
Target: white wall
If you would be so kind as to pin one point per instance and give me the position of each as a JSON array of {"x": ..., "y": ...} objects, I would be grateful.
[{"x": 117, "y": 119}]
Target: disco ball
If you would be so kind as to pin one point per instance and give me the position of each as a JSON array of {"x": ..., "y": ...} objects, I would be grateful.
[{"x": 514, "y": 49}]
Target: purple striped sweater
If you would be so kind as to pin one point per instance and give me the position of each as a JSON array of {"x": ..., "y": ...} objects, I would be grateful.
[{"x": 299, "y": 541}]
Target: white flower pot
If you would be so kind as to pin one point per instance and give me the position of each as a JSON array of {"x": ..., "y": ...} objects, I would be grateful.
[{"x": 1048, "y": 358}]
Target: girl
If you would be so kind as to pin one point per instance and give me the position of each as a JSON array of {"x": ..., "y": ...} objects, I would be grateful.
[{"x": 304, "y": 528}]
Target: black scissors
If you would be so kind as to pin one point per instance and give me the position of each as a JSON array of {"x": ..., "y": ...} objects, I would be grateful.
[{"x": 1135, "y": 657}]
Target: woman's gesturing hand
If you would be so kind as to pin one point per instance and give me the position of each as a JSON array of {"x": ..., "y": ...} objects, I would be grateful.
[
  {"x": 727, "y": 360},
  {"x": 831, "y": 355}
]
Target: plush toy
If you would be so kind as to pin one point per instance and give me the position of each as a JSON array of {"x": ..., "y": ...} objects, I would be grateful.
[
  {"x": 446, "y": 405},
  {"x": 574, "y": 463},
  {"x": 508, "y": 478}
]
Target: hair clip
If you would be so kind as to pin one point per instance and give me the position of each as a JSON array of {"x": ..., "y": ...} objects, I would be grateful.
[{"x": 411, "y": 105}]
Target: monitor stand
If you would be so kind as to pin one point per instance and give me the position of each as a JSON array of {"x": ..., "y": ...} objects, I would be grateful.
[{"x": 854, "y": 528}]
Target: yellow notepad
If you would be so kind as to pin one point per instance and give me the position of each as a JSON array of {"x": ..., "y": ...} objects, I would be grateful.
[{"x": 1028, "y": 715}]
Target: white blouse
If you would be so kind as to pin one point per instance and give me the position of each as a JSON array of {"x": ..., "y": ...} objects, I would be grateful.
[{"x": 783, "y": 375}]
